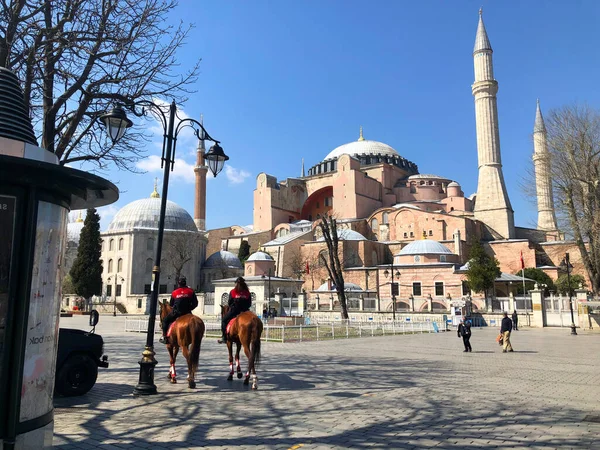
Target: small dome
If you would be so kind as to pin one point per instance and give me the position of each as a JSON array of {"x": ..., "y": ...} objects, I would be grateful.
[
  {"x": 427, "y": 176},
  {"x": 223, "y": 259},
  {"x": 144, "y": 213},
  {"x": 425, "y": 247},
  {"x": 347, "y": 235},
  {"x": 453, "y": 184},
  {"x": 260, "y": 256},
  {"x": 74, "y": 231},
  {"x": 348, "y": 287}
]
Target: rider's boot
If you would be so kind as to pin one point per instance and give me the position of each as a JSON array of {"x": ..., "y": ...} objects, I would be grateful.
[
  {"x": 223, "y": 340},
  {"x": 164, "y": 340}
]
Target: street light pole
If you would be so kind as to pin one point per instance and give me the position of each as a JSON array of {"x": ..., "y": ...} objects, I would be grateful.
[
  {"x": 386, "y": 273},
  {"x": 566, "y": 264},
  {"x": 116, "y": 123}
]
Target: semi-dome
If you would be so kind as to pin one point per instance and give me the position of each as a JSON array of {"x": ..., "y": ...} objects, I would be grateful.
[
  {"x": 347, "y": 235},
  {"x": 260, "y": 256},
  {"x": 425, "y": 247},
  {"x": 222, "y": 259},
  {"x": 348, "y": 287},
  {"x": 144, "y": 213},
  {"x": 74, "y": 231}
]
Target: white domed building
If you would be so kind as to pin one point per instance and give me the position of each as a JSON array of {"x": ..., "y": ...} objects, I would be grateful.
[
  {"x": 129, "y": 249},
  {"x": 220, "y": 265}
]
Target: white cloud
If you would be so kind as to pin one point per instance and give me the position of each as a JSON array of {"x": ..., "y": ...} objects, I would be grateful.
[
  {"x": 236, "y": 176},
  {"x": 106, "y": 214},
  {"x": 181, "y": 170}
]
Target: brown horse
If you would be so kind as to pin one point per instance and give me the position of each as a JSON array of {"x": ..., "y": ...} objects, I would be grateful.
[
  {"x": 187, "y": 333},
  {"x": 245, "y": 331}
]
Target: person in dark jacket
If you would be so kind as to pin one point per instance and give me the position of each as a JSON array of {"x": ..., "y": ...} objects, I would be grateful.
[
  {"x": 239, "y": 301},
  {"x": 464, "y": 331},
  {"x": 183, "y": 301},
  {"x": 515, "y": 320},
  {"x": 505, "y": 329}
]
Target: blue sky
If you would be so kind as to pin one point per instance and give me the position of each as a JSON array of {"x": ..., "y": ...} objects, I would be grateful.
[{"x": 285, "y": 80}]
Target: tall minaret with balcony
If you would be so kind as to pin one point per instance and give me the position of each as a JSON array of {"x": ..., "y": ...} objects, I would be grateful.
[
  {"x": 200, "y": 196},
  {"x": 492, "y": 206},
  {"x": 543, "y": 181}
]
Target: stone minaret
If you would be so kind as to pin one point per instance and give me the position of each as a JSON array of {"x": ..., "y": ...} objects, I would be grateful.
[
  {"x": 543, "y": 181},
  {"x": 200, "y": 196},
  {"x": 492, "y": 206}
]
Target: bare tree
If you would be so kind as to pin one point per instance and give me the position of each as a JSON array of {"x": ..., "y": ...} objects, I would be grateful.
[
  {"x": 574, "y": 152},
  {"x": 328, "y": 227},
  {"x": 180, "y": 248},
  {"x": 77, "y": 58}
]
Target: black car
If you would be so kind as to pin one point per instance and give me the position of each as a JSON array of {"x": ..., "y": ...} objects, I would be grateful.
[{"x": 80, "y": 353}]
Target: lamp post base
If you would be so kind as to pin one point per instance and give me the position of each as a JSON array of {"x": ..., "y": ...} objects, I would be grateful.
[
  {"x": 146, "y": 384},
  {"x": 573, "y": 330}
]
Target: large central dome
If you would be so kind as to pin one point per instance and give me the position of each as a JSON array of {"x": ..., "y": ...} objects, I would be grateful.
[
  {"x": 144, "y": 213},
  {"x": 362, "y": 147}
]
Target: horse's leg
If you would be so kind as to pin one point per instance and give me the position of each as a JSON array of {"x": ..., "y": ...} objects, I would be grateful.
[
  {"x": 197, "y": 334},
  {"x": 248, "y": 356},
  {"x": 237, "y": 360},
  {"x": 230, "y": 349},
  {"x": 186, "y": 354},
  {"x": 254, "y": 350},
  {"x": 173, "y": 351}
]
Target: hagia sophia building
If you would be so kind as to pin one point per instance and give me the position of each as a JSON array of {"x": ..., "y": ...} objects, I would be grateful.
[{"x": 387, "y": 212}]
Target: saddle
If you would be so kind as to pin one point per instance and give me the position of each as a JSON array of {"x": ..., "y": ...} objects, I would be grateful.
[
  {"x": 170, "y": 330},
  {"x": 230, "y": 324}
]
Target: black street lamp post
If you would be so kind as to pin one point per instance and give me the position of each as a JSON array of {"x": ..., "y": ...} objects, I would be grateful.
[
  {"x": 394, "y": 292},
  {"x": 566, "y": 265},
  {"x": 269, "y": 291},
  {"x": 116, "y": 123}
]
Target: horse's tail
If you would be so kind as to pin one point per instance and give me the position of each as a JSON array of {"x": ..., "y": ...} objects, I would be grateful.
[
  {"x": 197, "y": 335},
  {"x": 255, "y": 343}
]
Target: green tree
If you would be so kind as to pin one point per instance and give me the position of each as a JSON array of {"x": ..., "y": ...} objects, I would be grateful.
[
  {"x": 67, "y": 285},
  {"x": 562, "y": 284},
  {"x": 540, "y": 278},
  {"x": 244, "y": 251},
  {"x": 86, "y": 272},
  {"x": 483, "y": 270}
]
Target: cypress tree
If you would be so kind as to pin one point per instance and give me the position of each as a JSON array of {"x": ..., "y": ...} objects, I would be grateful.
[
  {"x": 86, "y": 273},
  {"x": 244, "y": 251}
]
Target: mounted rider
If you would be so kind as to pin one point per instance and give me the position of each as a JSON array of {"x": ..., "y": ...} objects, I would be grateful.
[
  {"x": 239, "y": 302},
  {"x": 183, "y": 301}
]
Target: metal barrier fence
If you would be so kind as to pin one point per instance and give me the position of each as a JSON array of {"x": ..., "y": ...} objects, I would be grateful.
[{"x": 314, "y": 332}]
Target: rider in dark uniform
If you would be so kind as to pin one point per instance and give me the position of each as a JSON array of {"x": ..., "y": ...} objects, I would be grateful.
[
  {"x": 183, "y": 301},
  {"x": 239, "y": 301}
]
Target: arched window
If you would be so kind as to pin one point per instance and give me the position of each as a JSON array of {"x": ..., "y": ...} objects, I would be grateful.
[
  {"x": 322, "y": 254},
  {"x": 374, "y": 225},
  {"x": 110, "y": 265},
  {"x": 385, "y": 218},
  {"x": 148, "y": 267},
  {"x": 121, "y": 243},
  {"x": 120, "y": 265},
  {"x": 111, "y": 245},
  {"x": 150, "y": 244},
  {"x": 413, "y": 188},
  {"x": 224, "y": 298},
  {"x": 430, "y": 232}
]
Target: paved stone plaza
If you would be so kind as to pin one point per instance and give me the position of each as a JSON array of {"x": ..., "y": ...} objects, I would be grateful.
[{"x": 414, "y": 391}]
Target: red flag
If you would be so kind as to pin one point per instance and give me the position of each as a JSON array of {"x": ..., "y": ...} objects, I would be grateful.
[
  {"x": 307, "y": 269},
  {"x": 522, "y": 261}
]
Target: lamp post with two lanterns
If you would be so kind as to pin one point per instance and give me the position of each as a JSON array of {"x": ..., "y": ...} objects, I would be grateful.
[
  {"x": 394, "y": 290},
  {"x": 116, "y": 123}
]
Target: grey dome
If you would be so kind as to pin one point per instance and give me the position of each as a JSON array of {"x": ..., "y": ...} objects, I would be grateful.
[
  {"x": 425, "y": 247},
  {"x": 222, "y": 259},
  {"x": 363, "y": 147},
  {"x": 144, "y": 213},
  {"x": 74, "y": 231},
  {"x": 260, "y": 256},
  {"x": 347, "y": 235},
  {"x": 454, "y": 184}
]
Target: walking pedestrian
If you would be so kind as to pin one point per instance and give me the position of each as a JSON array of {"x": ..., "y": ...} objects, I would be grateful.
[
  {"x": 464, "y": 331},
  {"x": 505, "y": 330},
  {"x": 515, "y": 320}
]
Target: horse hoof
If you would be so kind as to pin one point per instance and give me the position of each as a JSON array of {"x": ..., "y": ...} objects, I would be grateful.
[
  {"x": 173, "y": 381},
  {"x": 192, "y": 384},
  {"x": 246, "y": 381},
  {"x": 254, "y": 386},
  {"x": 240, "y": 375},
  {"x": 230, "y": 377}
]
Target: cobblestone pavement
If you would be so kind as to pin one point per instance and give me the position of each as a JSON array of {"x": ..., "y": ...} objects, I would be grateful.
[{"x": 406, "y": 392}]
